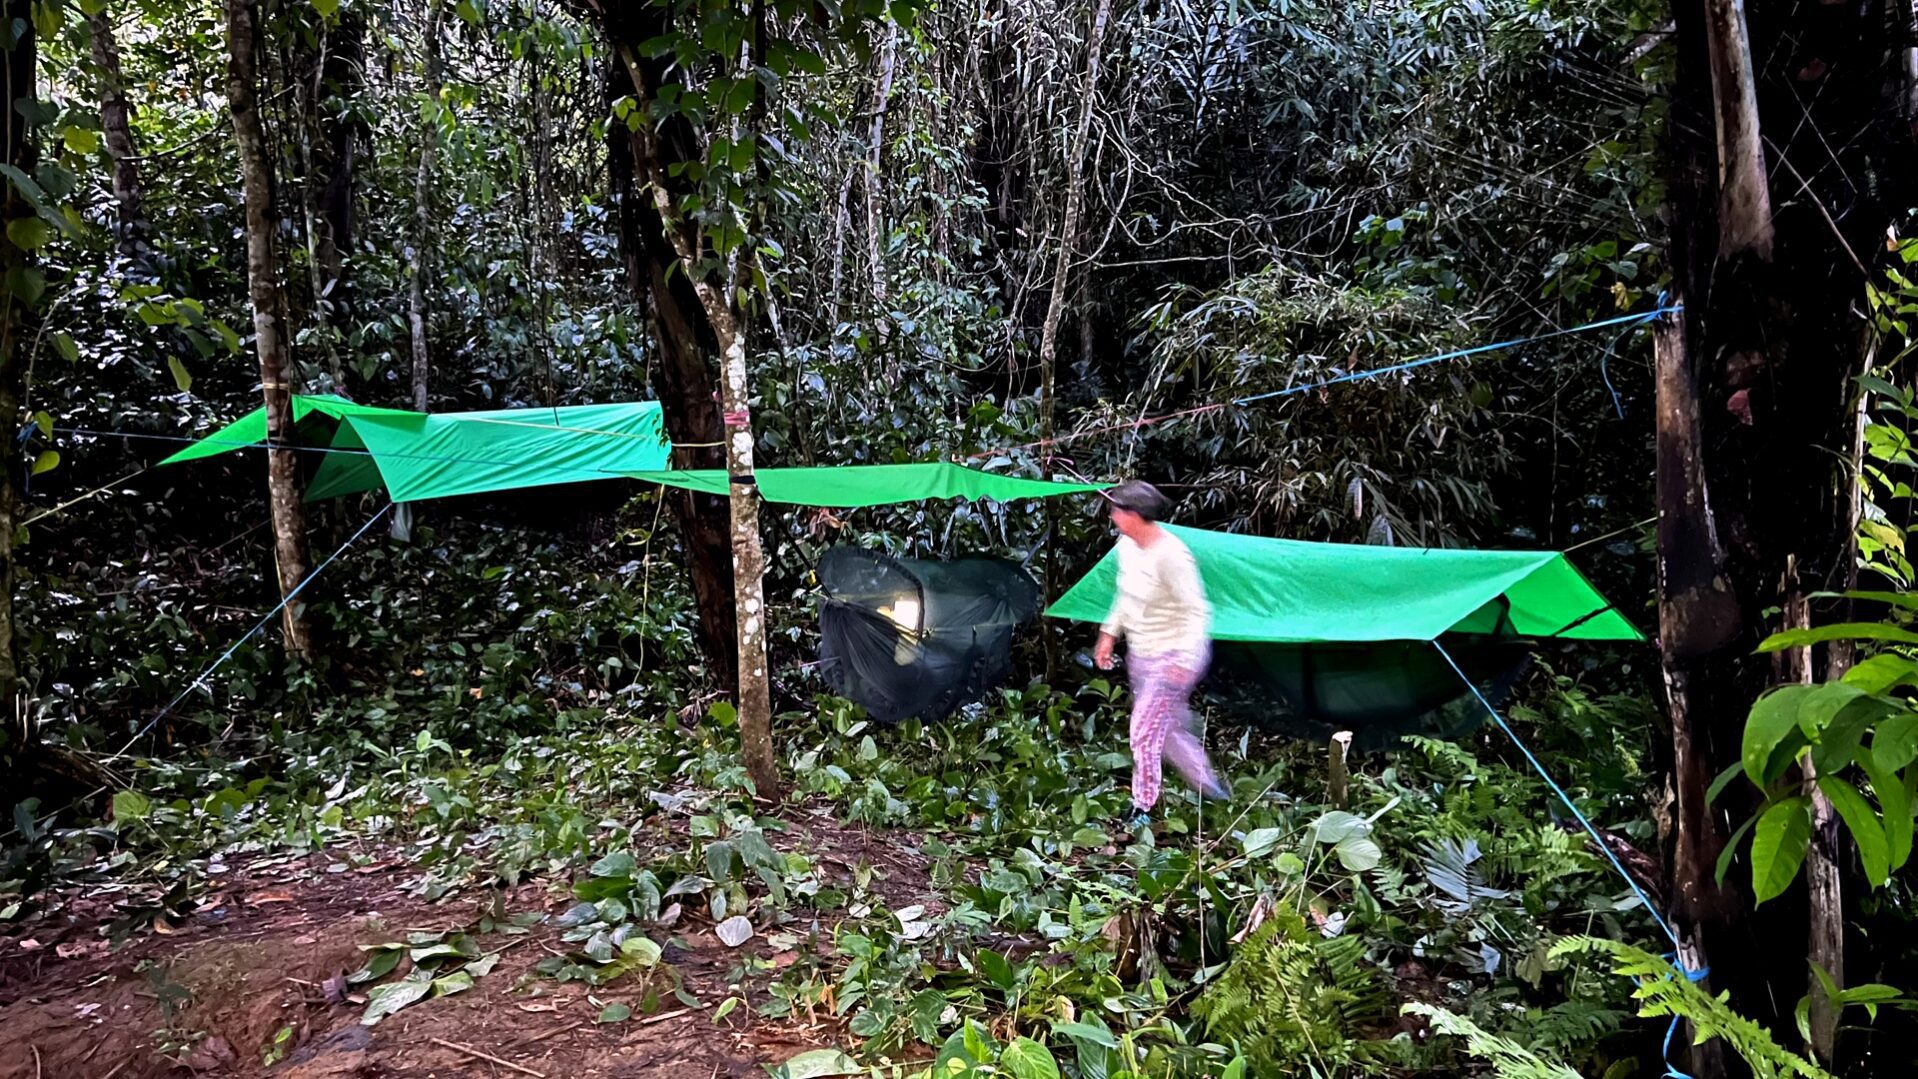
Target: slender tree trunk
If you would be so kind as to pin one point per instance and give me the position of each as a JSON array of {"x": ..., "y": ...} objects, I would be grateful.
[
  {"x": 841, "y": 222},
  {"x": 17, "y": 300},
  {"x": 748, "y": 556},
  {"x": 1062, "y": 283},
  {"x": 417, "y": 266},
  {"x": 115, "y": 125},
  {"x": 263, "y": 288},
  {"x": 339, "y": 79},
  {"x": 875, "y": 183}
]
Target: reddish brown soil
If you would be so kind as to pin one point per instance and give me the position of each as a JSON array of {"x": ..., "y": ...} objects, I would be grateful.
[{"x": 255, "y": 959}]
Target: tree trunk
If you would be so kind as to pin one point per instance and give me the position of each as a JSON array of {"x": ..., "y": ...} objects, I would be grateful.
[
  {"x": 115, "y": 125},
  {"x": 16, "y": 309},
  {"x": 417, "y": 266},
  {"x": 754, "y": 696},
  {"x": 1756, "y": 414},
  {"x": 263, "y": 288},
  {"x": 341, "y": 74},
  {"x": 875, "y": 201},
  {"x": 681, "y": 376},
  {"x": 1697, "y": 615},
  {"x": 749, "y": 560},
  {"x": 1744, "y": 196},
  {"x": 1061, "y": 284}
]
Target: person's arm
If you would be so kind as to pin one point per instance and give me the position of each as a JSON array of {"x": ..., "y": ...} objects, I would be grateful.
[{"x": 1112, "y": 629}]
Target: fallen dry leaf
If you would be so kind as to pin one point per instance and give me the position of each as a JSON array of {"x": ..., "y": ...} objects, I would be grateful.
[{"x": 260, "y": 898}]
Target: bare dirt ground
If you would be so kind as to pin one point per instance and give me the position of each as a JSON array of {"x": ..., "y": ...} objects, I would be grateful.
[{"x": 211, "y": 996}]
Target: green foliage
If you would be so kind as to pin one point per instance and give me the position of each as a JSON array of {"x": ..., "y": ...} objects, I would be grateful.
[
  {"x": 1801, "y": 739},
  {"x": 1293, "y": 999},
  {"x": 1509, "y": 1060},
  {"x": 1664, "y": 992}
]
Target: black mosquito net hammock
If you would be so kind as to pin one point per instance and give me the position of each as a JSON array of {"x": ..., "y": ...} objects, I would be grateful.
[{"x": 905, "y": 638}]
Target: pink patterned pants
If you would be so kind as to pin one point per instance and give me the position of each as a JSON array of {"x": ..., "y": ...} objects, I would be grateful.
[{"x": 1162, "y": 726}]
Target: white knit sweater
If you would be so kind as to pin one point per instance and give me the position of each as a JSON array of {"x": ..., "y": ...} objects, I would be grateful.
[{"x": 1159, "y": 605}]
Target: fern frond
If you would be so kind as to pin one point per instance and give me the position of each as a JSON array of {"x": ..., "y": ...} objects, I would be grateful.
[
  {"x": 1509, "y": 1060},
  {"x": 1664, "y": 991}
]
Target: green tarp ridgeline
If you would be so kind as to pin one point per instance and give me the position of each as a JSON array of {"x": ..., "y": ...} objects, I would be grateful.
[
  {"x": 417, "y": 456},
  {"x": 849, "y": 486},
  {"x": 1275, "y": 590}
]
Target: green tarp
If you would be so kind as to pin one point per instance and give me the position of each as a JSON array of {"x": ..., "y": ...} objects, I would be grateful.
[
  {"x": 417, "y": 456},
  {"x": 847, "y": 486},
  {"x": 1275, "y": 590}
]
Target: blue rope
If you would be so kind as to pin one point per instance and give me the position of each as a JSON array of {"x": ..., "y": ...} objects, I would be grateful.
[
  {"x": 257, "y": 627},
  {"x": 1671, "y": 1072},
  {"x": 1497, "y": 346}
]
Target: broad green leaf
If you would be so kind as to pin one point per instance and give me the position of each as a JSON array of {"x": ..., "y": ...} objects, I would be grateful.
[
  {"x": 1778, "y": 849},
  {"x": 1894, "y": 743},
  {"x": 44, "y": 422},
  {"x": 817, "y": 1064},
  {"x": 1357, "y": 853},
  {"x": 616, "y": 864},
  {"x": 1772, "y": 731},
  {"x": 457, "y": 982},
  {"x": 384, "y": 1000},
  {"x": 1842, "y": 631},
  {"x": 326, "y": 8},
  {"x": 719, "y": 860},
  {"x": 47, "y": 461},
  {"x": 1260, "y": 841},
  {"x": 434, "y": 951},
  {"x": 28, "y": 233},
  {"x": 1336, "y": 826},
  {"x": 181, "y": 378},
  {"x": 382, "y": 964},
  {"x": 1027, "y": 1059},
  {"x": 740, "y": 97},
  {"x": 1895, "y": 803},
  {"x": 1882, "y": 672},
  {"x": 1835, "y": 745},
  {"x": 996, "y": 969},
  {"x": 80, "y": 140},
  {"x": 643, "y": 951},
  {"x": 615, "y": 1013},
  {"x": 1086, "y": 1032},
  {"x": 129, "y": 805},
  {"x": 1862, "y": 821},
  {"x": 481, "y": 967}
]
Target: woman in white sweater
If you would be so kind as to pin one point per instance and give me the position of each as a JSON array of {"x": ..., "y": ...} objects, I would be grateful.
[{"x": 1161, "y": 610}]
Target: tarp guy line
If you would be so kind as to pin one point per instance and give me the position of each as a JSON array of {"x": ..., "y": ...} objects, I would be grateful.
[
  {"x": 257, "y": 627},
  {"x": 1351, "y": 376}
]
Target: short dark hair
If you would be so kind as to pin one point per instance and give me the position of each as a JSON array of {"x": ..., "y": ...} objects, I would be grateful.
[{"x": 1140, "y": 497}]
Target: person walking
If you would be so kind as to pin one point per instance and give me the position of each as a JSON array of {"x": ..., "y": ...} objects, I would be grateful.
[{"x": 1160, "y": 609}]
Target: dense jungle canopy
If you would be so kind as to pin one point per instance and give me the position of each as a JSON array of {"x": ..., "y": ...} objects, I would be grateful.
[{"x": 549, "y": 777}]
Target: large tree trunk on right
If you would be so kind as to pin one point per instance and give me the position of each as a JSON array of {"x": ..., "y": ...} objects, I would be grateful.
[
  {"x": 116, "y": 128},
  {"x": 263, "y": 288},
  {"x": 1757, "y": 416}
]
